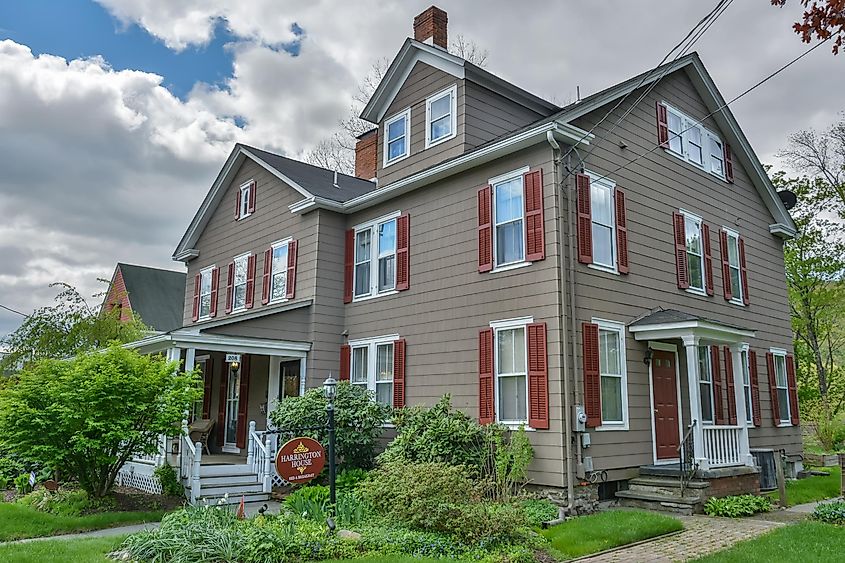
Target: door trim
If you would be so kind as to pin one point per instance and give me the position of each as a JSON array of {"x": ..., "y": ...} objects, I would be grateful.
[{"x": 663, "y": 347}]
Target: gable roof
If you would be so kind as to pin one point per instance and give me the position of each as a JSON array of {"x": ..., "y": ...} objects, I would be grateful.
[
  {"x": 312, "y": 182},
  {"x": 156, "y": 295},
  {"x": 413, "y": 51}
]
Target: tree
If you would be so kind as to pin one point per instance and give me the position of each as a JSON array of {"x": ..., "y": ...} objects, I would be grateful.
[
  {"x": 87, "y": 416},
  {"x": 65, "y": 329},
  {"x": 825, "y": 19},
  {"x": 337, "y": 152}
]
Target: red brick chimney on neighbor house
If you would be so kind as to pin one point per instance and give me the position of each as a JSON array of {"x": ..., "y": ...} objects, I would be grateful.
[
  {"x": 365, "y": 155},
  {"x": 430, "y": 27}
]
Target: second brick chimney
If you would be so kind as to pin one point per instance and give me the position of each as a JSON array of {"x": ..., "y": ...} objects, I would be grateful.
[
  {"x": 430, "y": 27},
  {"x": 366, "y": 155}
]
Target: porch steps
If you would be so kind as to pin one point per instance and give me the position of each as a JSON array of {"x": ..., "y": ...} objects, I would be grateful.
[
  {"x": 228, "y": 484},
  {"x": 663, "y": 492}
]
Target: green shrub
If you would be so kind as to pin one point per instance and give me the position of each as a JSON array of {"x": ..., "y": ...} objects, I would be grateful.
[
  {"x": 22, "y": 484},
  {"x": 310, "y": 501},
  {"x": 359, "y": 419},
  {"x": 510, "y": 455},
  {"x": 396, "y": 540},
  {"x": 10, "y": 467},
  {"x": 62, "y": 502},
  {"x": 537, "y": 511},
  {"x": 737, "y": 506},
  {"x": 170, "y": 484},
  {"x": 830, "y": 512},
  {"x": 349, "y": 479}
]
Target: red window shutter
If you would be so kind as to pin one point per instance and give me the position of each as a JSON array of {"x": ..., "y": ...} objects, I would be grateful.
[
  {"x": 230, "y": 286},
  {"x": 773, "y": 388},
  {"x": 729, "y": 165},
  {"x": 585, "y": 219},
  {"x": 250, "y": 280},
  {"x": 403, "y": 258},
  {"x": 195, "y": 311},
  {"x": 743, "y": 268},
  {"x": 265, "y": 280},
  {"x": 726, "y": 265},
  {"x": 237, "y": 204},
  {"x": 348, "y": 266},
  {"x": 486, "y": 400},
  {"x": 253, "y": 187},
  {"x": 662, "y": 126},
  {"x": 485, "y": 229},
  {"x": 592, "y": 378},
  {"x": 681, "y": 264},
  {"x": 535, "y": 239},
  {"x": 756, "y": 415},
  {"x": 718, "y": 410},
  {"x": 399, "y": 373},
  {"x": 243, "y": 402},
  {"x": 221, "y": 405},
  {"x": 708, "y": 259},
  {"x": 793, "y": 389},
  {"x": 207, "y": 379},
  {"x": 345, "y": 362},
  {"x": 538, "y": 377},
  {"x": 290, "y": 283},
  {"x": 621, "y": 233},
  {"x": 215, "y": 281},
  {"x": 729, "y": 385}
]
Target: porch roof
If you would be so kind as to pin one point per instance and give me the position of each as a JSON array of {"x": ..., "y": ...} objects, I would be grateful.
[
  {"x": 183, "y": 338},
  {"x": 671, "y": 323}
]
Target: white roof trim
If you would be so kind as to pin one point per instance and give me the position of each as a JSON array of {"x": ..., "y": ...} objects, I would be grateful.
[
  {"x": 705, "y": 330},
  {"x": 219, "y": 343}
]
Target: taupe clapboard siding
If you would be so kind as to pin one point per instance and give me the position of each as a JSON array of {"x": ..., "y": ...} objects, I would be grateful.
[
  {"x": 490, "y": 115},
  {"x": 655, "y": 186}
]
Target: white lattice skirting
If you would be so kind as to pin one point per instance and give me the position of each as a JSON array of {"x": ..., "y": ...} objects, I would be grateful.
[{"x": 139, "y": 476}]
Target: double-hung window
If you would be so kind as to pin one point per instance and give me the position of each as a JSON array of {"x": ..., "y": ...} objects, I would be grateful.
[
  {"x": 705, "y": 383},
  {"x": 693, "y": 135},
  {"x": 375, "y": 257},
  {"x": 734, "y": 267},
  {"x": 717, "y": 155},
  {"x": 612, "y": 370},
  {"x": 509, "y": 219},
  {"x": 246, "y": 200},
  {"x": 746, "y": 386},
  {"x": 511, "y": 371},
  {"x": 205, "y": 293},
  {"x": 396, "y": 138},
  {"x": 440, "y": 118},
  {"x": 695, "y": 252},
  {"x": 691, "y": 141},
  {"x": 279, "y": 271},
  {"x": 782, "y": 384},
  {"x": 603, "y": 223},
  {"x": 372, "y": 367},
  {"x": 239, "y": 283}
]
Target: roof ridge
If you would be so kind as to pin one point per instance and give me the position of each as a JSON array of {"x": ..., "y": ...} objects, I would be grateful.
[{"x": 339, "y": 173}]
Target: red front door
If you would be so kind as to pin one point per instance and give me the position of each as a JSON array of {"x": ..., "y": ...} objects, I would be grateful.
[{"x": 664, "y": 379}]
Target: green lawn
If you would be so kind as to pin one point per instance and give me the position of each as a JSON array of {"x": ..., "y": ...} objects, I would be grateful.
[
  {"x": 812, "y": 488},
  {"x": 79, "y": 551},
  {"x": 597, "y": 532},
  {"x": 807, "y": 541},
  {"x": 18, "y": 521}
]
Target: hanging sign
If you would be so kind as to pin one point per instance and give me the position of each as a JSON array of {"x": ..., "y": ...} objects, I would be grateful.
[
  {"x": 233, "y": 358},
  {"x": 300, "y": 460}
]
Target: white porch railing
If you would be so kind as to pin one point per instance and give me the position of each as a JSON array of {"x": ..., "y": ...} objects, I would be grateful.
[
  {"x": 260, "y": 456},
  {"x": 190, "y": 464},
  {"x": 722, "y": 445}
]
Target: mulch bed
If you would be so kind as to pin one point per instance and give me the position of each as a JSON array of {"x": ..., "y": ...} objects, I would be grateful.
[{"x": 128, "y": 499}]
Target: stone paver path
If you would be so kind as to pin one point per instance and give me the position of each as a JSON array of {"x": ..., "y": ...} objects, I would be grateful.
[{"x": 701, "y": 535}]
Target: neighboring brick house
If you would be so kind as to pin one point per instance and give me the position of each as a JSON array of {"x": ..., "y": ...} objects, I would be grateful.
[
  {"x": 157, "y": 296},
  {"x": 612, "y": 306}
]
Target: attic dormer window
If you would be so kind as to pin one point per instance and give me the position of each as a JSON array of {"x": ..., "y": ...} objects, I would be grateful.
[
  {"x": 440, "y": 117},
  {"x": 396, "y": 145},
  {"x": 245, "y": 202}
]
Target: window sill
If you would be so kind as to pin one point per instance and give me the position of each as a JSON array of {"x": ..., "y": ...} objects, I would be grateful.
[
  {"x": 696, "y": 291},
  {"x": 242, "y": 217},
  {"x": 785, "y": 424},
  {"x": 277, "y": 301},
  {"x": 610, "y": 427},
  {"x": 508, "y": 267},
  {"x": 388, "y": 163},
  {"x": 602, "y": 268},
  {"x": 736, "y": 302},
  {"x": 376, "y": 296},
  {"x": 514, "y": 426},
  {"x": 429, "y": 144}
]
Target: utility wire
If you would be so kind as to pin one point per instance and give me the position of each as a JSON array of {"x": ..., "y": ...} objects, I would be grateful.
[
  {"x": 720, "y": 108},
  {"x": 13, "y": 310}
]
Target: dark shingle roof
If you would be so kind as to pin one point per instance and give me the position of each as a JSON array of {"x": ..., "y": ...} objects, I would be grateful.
[
  {"x": 157, "y": 296},
  {"x": 318, "y": 181},
  {"x": 665, "y": 316}
]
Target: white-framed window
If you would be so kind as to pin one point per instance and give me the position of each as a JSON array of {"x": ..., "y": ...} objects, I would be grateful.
[
  {"x": 372, "y": 366},
  {"x": 205, "y": 293},
  {"x": 746, "y": 385},
  {"x": 441, "y": 116},
  {"x": 603, "y": 222},
  {"x": 244, "y": 199},
  {"x": 508, "y": 219},
  {"x": 695, "y": 252},
  {"x": 239, "y": 283},
  {"x": 705, "y": 383},
  {"x": 397, "y": 143},
  {"x": 375, "y": 257},
  {"x": 511, "y": 365},
  {"x": 782, "y": 383},
  {"x": 613, "y": 374},
  {"x": 734, "y": 267},
  {"x": 694, "y": 143},
  {"x": 279, "y": 270}
]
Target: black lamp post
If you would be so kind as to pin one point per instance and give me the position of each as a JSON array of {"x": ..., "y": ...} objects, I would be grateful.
[{"x": 330, "y": 391}]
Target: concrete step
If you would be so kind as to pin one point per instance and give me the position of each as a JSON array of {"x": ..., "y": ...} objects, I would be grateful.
[
  {"x": 669, "y": 482},
  {"x": 657, "y": 501},
  {"x": 667, "y": 487}
]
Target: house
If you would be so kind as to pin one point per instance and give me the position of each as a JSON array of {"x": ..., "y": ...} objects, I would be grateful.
[
  {"x": 155, "y": 295},
  {"x": 608, "y": 274}
]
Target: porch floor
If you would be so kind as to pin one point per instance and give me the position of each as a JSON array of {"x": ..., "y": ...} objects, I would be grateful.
[{"x": 213, "y": 459}]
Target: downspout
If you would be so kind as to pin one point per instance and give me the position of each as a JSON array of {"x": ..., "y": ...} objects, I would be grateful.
[
  {"x": 567, "y": 399},
  {"x": 573, "y": 336}
]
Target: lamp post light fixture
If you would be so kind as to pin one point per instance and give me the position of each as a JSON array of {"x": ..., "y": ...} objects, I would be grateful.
[{"x": 330, "y": 392}]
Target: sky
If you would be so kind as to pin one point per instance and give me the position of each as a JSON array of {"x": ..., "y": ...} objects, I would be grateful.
[{"x": 116, "y": 115}]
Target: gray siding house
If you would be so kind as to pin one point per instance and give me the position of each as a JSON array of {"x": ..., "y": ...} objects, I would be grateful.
[{"x": 608, "y": 274}]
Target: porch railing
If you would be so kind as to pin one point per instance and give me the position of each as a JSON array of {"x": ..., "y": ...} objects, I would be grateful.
[
  {"x": 722, "y": 445},
  {"x": 686, "y": 456},
  {"x": 191, "y": 461},
  {"x": 260, "y": 457}
]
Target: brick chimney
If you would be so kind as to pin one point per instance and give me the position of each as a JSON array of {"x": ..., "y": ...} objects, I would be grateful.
[
  {"x": 430, "y": 27},
  {"x": 365, "y": 155}
]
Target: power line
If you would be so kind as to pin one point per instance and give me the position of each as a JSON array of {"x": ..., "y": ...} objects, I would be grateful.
[
  {"x": 13, "y": 310},
  {"x": 720, "y": 108}
]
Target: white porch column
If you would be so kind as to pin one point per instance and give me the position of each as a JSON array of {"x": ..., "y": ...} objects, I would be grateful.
[
  {"x": 174, "y": 354},
  {"x": 273, "y": 383},
  {"x": 190, "y": 358},
  {"x": 691, "y": 348},
  {"x": 739, "y": 397}
]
